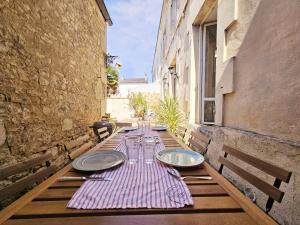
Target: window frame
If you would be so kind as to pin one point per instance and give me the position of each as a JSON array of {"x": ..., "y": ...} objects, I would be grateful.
[{"x": 203, "y": 75}]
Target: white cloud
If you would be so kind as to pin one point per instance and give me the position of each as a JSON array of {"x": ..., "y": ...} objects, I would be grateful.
[{"x": 133, "y": 35}]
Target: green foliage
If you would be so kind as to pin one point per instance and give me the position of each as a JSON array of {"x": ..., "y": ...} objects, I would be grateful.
[
  {"x": 138, "y": 103},
  {"x": 167, "y": 112},
  {"x": 112, "y": 79}
]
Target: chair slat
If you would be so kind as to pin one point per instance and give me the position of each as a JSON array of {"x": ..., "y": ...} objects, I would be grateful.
[
  {"x": 181, "y": 129},
  {"x": 80, "y": 150},
  {"x": 273, "y": 170},
  {"x": 77, "y": 142},
  {"x": 22, "y": 166},
  {"x": 197, "y": 145},
  {"x": 104, "y": 135},
  {"x": 268, "y": 189},
  {"x": 101, "y": 130},
  {"x": 200, "y": 136},
  {"x": 26, "y": 182}
]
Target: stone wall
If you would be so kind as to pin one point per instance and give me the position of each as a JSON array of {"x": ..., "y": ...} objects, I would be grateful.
[{"x": 52, "y": 75}]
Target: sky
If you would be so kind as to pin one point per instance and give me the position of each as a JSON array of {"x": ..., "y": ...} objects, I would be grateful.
[{"x": 132, "y": 37}]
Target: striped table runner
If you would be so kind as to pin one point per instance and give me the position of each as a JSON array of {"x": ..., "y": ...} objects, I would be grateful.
[{"x": 134, "y": 186}]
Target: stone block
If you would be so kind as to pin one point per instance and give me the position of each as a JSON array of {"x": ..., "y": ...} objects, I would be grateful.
[
  {"x": 2, "y": 133},
  {"x": 67, "y": 124}
]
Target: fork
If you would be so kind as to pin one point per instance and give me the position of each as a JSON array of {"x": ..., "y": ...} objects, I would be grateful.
[{"x": 190, "y": 177}]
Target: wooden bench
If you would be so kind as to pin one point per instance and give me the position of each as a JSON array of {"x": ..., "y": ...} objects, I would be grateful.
[
  {"x": 78, "y": 146},
  {"x": 180, "y": 132},
  {"x": 199, "y": 142},
  {"x": 29, "y": 165},
  {"x": 278, "y": 173},
  {"x": 102, "y": 134}
]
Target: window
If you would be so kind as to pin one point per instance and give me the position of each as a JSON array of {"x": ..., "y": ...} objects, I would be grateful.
[{"x": 209, "y": 73}]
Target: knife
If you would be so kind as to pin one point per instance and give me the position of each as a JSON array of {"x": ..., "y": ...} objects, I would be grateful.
[{"x": 85, "y": 178}]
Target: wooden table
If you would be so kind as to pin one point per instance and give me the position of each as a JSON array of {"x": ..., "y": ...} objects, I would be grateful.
[{"x": 216, "y": 202}]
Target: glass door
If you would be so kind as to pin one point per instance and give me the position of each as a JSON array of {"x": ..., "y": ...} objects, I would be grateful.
[{"x": 209, "y": 73}]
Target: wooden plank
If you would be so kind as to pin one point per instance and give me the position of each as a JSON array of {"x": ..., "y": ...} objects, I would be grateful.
[
  {"x": 273, "y": 170},
  {"x": 25, "y": 165},
  {"x": 259, "y": 216},
  {"x": 197, "y": 171},
  {"x": 207, "y": 190},
  {"x": 200, "y": 136},
  {"x": 26, "y": 182},
  {"x": 70, "y": 184},
  {"x": 270, "y": 190},
  {"x": 104, "y": 135},
  {"x": 197, "y": 145},
  {"x": 57, "y": 194},
  {"x": 67, "y": 193},
  {"x": 101, "y": 130},
  {"x": 77, "y": 142},
  {"x": 81, "y": 150},
  {"x": 238, "y": 218},
  {"x": 58, "y": 208}
]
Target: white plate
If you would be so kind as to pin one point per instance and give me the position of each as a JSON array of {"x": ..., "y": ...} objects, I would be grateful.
[
  {"x": 180, "y": 157},
  {"x": 159, "y": 128},
  {"x": 101, "y": 160},
  {"x": 129, "y": 128}
]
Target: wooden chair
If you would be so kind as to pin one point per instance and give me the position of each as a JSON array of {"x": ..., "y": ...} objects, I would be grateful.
[
  {"x": 78, "y": 146},
  {"x": 181, "y": 131},
  {"x": 278, "y": 173},
  {"x": 199, "y": 142},
  {"x": 29, "y": 165},
  {"x": 102, "y": 134}
]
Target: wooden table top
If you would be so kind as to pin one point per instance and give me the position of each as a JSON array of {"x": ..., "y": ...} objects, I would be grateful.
[{"x": 216, "y": 201}]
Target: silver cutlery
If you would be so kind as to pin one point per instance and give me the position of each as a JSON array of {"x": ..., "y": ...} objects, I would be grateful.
[
  {"x": 85, "y": 178},
  {"x": 190, "y": 177}
]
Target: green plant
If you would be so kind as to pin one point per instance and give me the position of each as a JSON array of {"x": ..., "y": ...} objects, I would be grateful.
[
  {"x": 138, "y": 103},
  {"x": 112, "y": 79},
  {"x": 167, "y": 112}
]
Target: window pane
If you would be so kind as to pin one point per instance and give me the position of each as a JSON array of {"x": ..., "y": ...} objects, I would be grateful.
[
  {"x": 210, "y": 60},
  {"x": 209, "y": 111}
]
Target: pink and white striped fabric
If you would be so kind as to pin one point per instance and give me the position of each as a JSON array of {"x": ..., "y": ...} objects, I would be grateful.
[{"x": 134, "y": 186}]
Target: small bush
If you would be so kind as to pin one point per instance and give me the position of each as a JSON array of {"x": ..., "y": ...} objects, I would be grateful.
[
  {"x": 167, "y": 112},
  {"x": 138, "y": 103}
]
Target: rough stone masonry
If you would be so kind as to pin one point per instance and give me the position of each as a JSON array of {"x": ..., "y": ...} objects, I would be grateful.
[{"x": 52, "y": 75}]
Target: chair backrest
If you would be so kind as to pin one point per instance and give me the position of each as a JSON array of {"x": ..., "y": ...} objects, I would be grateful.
[
  {"x": 278, "y": 173},
  {"x": 199, "y": 141},
  {"x": 102, "y": 134},
  {"x": 180, "y": 132},
  {"x": 78, "y": 146},
  {"x": 28, "y": 181}
]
